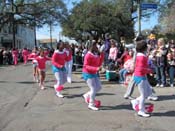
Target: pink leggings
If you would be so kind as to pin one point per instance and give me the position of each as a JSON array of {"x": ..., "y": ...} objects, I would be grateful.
[
  {"x": 15, "y": 60},
  {"x": 25, "y": 59}
]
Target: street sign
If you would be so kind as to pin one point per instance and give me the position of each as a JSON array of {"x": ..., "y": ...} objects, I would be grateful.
[{"x": 148, "y": 6}]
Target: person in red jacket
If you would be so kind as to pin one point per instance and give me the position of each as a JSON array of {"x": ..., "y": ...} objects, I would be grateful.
[{"x": 92, "y": 63}]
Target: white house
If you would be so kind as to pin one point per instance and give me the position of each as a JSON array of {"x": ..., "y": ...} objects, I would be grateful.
[
  {"x": 27, "y": 37},
  {"x": 24, "y": 37}
]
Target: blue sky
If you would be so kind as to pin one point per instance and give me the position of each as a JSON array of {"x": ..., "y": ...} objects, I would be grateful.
[
  {"x": 148, "y": 23},
  {"x": 44, "y": 33}
]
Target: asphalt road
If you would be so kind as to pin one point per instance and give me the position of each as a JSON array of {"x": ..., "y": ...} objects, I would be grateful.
[{"x": 24, "y": 107}]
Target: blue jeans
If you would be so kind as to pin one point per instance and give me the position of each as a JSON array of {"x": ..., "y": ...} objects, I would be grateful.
[
  {"x": 122, "y": 74},
  {"x": 106, "y": 61},
  {"x": 160, "y": 75},
  {"x": 171, "y": 74}
]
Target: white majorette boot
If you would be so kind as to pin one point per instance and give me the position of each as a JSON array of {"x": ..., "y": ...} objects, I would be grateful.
[
  {"x": 143, "y": 114},
  {"x": 59, "y": 94},
  {"x": 42, "y": 87},
  {"x": 85, "y": 96},
  {"x": 134, "y": 103},
  {"x": 152, "y": 98},
  {"x": 92, "y": 107}
]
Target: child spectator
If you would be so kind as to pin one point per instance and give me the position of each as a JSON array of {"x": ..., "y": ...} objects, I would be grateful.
[{"x": 127, "y": 68}]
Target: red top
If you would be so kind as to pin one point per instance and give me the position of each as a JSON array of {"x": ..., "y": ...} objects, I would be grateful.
[
  {"x": 92, "y": 62},
  {"x": 141, "y": 65},
  {"x": 32, "y": 57},
  {"x": 42, "y": 62},
  {"x": 25, "y": 52},
  {"x": 59, "y": 58},
  {"x": 15, "y": 52}
]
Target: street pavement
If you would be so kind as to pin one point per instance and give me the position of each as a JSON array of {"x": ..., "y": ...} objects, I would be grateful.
[{"x": 24, "y": 107}]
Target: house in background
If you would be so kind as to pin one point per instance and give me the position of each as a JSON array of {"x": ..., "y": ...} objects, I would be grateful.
[
  {"x": 27, "y": 37},
  {"x": 47, "y": 43},
  {"x": 24, "y": 37}
]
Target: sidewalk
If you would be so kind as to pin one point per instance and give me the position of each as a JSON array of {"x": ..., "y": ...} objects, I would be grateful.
[{"x": 24, "y": 107}]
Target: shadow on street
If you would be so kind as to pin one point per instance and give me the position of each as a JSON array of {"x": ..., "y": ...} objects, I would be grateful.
[
  {"x": 167, "y": 113},
  {"x": 166, "y": 97},
  {"x": 117, "y": 107}
]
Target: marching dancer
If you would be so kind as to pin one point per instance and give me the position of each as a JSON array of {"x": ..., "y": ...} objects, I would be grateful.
[
  {"x": 41, "y": 61},
  {"x": 69, "y": 62},
  {"x": 59, "y": 59},
  {"x": 92, "y": 63},
  {"x": 25, "y": 54},
  {"x": 140, "y": 72},
  {"x": 32, "y": 57}
]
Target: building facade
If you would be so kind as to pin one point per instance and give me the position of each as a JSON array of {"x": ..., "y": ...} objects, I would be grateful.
[
  {"x": 24, "y": 37},
  {"x": 27, "y": 37}
]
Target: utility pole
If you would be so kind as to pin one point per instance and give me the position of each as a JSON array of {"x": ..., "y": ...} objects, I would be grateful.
[
  {"x": 139, "y": 16},
  {"x": 50, "y": 24},
  {"x": 34, "y": 28},
  {"x": 35, "y": 36},
  {"x": 13, "y": 24}
]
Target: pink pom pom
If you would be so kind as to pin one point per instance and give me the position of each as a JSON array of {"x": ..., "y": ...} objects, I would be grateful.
[
  {"x": 88, "y": 99},
  {"x": 97, "y": 103},
  {"x": 137, "y": 107},
  {"x": 149, "y": 108},
  {"x": 59, "y": 88}
]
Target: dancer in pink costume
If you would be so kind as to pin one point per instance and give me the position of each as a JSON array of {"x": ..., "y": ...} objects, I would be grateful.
[
  {"x": 59, "y": 59},
  {"x": 140, "y": 72},
  {"x": 25, "y": 54},
  {"x": 41, "y": 61},
  {"x": 69, "y": 62},
  {"x": 32, "y": 57},
  {"x": 15, "y": 56},
  {"x": 92, "y": 63}
]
